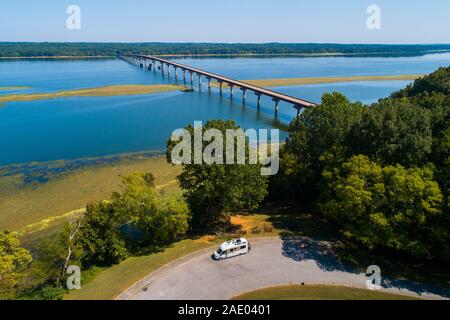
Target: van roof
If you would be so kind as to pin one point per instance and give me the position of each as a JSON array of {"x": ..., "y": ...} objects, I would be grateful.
[{"x": 233, "y": 243}]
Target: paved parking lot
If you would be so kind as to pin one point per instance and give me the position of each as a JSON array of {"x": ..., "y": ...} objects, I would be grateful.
[{"x": 271, "y": 262}]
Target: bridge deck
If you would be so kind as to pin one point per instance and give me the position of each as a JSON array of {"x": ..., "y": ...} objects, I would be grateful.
[{"x": 275, "y": 95}]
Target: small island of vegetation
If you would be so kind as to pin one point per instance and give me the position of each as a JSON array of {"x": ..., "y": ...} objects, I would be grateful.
[{"x": 107, "y": 91}]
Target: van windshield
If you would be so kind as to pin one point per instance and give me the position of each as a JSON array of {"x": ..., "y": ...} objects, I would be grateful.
[{"x": 219, "y": 251}]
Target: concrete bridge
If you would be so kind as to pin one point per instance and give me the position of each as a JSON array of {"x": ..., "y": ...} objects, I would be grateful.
[{"x": 151, "y": 62}]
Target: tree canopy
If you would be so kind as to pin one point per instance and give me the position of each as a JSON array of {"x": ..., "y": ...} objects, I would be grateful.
[
  {"x": 106, "y": 228},
  {"x": 316, "y": 133},
  {"x": 158, "y": 218},
  {"x": 393, "y": 131},
  {"x": 384, "y": 206},
  {"x": 13, "y": 262},
  {"x": 380, "y": 172},
  {"x": 212, "y": 191}
]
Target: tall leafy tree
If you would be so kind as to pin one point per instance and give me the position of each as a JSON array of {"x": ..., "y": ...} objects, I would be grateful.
[
  {"x": 437, "y": 82},
  {"x": 100, "y": 237},
  {"x": 213, "y": 191},
  {"x": 317, "y": 133},
  {"x": 13, "y": 263},
  {"x": 431, "y": 92},
  {"x": 159, "y": 218},
  {"x": 387, "y": 206},
  {"x": 393, "y": 132}
]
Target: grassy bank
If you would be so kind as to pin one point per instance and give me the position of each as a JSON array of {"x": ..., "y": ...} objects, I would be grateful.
[
  {"x": 319, "y": 292},
  {"x": 35, "y": 206},
  {"x": 107, "y": 91}
]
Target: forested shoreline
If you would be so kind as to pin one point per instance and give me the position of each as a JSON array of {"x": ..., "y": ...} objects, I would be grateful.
[{"x": 98, "y": 49}]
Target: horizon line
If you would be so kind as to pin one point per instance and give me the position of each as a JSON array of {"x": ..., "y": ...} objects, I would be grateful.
[{"x": 232, "y": 43}]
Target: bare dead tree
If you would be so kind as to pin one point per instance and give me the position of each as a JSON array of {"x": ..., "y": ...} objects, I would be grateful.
[{"x": 74, "y": 227}]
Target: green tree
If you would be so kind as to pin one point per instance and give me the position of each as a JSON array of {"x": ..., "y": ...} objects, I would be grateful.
[
  {"x": 438, "y": 82},
  {"x": 387, "y": 206},
  {"x": 54, "y": 254},
  {"x": 442, "y": 159},
  {"x": 393, "y": 131},
  {"x": 431, "y": 92},
  {"x": 213, "y": 191},
  {"x": 13, "y": 263},
  {"x": 100, "y": 237},
  {"x": 318, "y": 132},
  {"x": 159, "y": 218}
]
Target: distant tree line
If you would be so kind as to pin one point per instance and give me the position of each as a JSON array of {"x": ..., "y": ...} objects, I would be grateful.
[{"x": 49, "y": 49}]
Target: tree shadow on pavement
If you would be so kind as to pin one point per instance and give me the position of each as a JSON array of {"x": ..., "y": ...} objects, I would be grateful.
[
  {"x": 306, "y": 236},
  {"x": 418, "y": 288},
  {"x": 305, "y": 248}
]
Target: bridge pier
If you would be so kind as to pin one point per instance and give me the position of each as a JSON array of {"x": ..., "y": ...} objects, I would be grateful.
[
  {"x": 231, "y": 89},
  {"x": 259, "y": 100},
  {"x": 162, "y": 69},
  {"x": 184, "y": 75},
  {"x": 277, "y": 101},
  {"x": 209, "y": 83},
  {"x": 176, "y": 73},
  {"x": 192, "y": 79},
  {"x": 244, "y": 94},
  {"x": 220, "y": 87}
]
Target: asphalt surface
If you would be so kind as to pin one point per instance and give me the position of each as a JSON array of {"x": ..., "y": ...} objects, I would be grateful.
[{"x": 271, "y": 262}]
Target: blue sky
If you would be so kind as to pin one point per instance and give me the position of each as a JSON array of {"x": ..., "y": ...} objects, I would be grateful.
[{"x": 341, "y": 21}]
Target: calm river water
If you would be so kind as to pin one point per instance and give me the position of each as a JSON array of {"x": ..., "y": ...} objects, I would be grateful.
[{"x": 73, "y": 128}]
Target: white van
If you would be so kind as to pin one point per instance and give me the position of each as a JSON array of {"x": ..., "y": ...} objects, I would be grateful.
[{"x": 232, "y": 248}]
